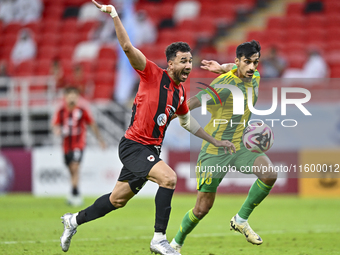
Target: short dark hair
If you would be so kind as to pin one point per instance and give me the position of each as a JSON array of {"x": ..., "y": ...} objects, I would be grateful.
[
  {"x": 69, "y": 90},
  {"x": 175, "y": 47},
  {"x": 248, "y": 49}
]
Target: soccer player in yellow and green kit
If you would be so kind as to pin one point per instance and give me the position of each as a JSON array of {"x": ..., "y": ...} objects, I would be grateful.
[{"x": 242, "y": 74}]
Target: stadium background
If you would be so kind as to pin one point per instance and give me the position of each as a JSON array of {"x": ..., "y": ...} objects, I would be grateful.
[
  {"x": 34, "y": 181},
  {"x": 213, "y": 31}
]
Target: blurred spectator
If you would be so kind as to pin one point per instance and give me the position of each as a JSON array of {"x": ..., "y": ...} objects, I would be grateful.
[
  {"x": 315, "y": 67},
  {"x": 79, "y": 81},
  {"x": 104, "y": 32},
  {"x": 7, "y": 10},
  {"x": 146, "y": 31},
  {"x": 27, "y": 11},
  {"x": 58, "y": 73},
  {"x": 4, "y": 77},
  {"x": 25, "y": 47},
  {"x": 272, "y": 64}
]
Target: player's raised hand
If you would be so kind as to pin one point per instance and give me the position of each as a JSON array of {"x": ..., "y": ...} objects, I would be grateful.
[
  {"x": 212, "y": 66},
  {"x": 226, "y": 145},
  {"x": 106, "y": 8}
]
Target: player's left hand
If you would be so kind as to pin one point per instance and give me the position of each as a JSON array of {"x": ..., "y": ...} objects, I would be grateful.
[
  {"x": 108, "y": 8},
  {"x": 226, "y": 145}
]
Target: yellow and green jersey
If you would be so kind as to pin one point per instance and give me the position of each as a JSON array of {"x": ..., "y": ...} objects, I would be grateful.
[{"x": 227, "y": 131}]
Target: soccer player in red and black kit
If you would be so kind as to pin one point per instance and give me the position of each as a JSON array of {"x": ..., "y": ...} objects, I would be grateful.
[
  {"x": 160, "y": 95},
  {"x": 70, "y": 122}
]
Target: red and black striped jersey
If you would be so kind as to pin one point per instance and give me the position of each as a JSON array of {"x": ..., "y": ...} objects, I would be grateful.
[
  {"x": 73, "y": 126},
  {"x": 157, "y": 99}
]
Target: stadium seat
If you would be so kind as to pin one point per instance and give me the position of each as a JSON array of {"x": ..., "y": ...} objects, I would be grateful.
[
  {"x": 314, "y": 35},
  {"x": 295, "y": 9},
  {"x": 47, "y": 52},
  {"x": 25, "y": 68},
  {"x": 69, "y": 26},
  {"x": 295, "y": 22},
  {"x": 104, "y": 77},
  {"x": 12, "y": 28},
  {"x": 103, "y": 91},
  {"x": 108, "y": 53},
  {"x": 105, "y": 65},
  {"x": 295, "y": 36},
  {"x": 43, "y": 67},
  {"x": 276, "y": 23},
  {"x": 35, "y": 27},
  {"x": 316, "y": 21},
  {"x": 66, "y": 53},
  {"x": 49, "y": 39},
  {"x": 69, "y": 39}
]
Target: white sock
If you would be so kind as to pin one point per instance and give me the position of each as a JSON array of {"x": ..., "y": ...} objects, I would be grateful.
[
  {"x": 159, "y": 236},
  {"x": 239, "y": 219},
  {"x": 73, "y": 220}
]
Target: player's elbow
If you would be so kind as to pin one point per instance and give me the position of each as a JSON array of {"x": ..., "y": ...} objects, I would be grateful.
[{"x": 127, "y": 47}]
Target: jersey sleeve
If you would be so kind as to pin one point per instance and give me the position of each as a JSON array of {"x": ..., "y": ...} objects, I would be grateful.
[
  {"x": 222, "y": 93},
  {"x": 183, "y": 108},
  {"x": 148, "y": 74},
  {"x": 87, "y": 117}
]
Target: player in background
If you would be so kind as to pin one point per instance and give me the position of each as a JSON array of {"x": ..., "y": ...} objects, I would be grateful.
[
  {"x": 70, "y": 122},
  {"x": 244, "y": 75},
  {"x": 160, "y": 95}
]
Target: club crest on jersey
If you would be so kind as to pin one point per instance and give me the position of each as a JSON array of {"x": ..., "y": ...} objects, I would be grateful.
[
  {"x": 151, "y": 158},
  {"x": 161, "y": 119}
]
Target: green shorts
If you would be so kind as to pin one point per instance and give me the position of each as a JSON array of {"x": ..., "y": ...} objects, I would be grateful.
[{"x": 211, "y": 169}]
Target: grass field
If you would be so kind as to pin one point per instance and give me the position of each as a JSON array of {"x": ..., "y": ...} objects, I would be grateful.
[{"x": 288, "y": 225}]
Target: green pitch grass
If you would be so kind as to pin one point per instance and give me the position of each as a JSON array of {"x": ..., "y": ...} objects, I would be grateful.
[{"x": 288, "y": 225}]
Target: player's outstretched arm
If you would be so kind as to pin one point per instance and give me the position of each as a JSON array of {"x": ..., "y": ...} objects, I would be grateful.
[
  {"x": 190, "y": 124},
  {"x": 96, "y": 132},
  {"x": 215, "y": 67},
  {"x": 135, "y": 56}
]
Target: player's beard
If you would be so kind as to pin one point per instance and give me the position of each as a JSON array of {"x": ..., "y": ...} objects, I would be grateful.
[{"x": 182, "y": 75}]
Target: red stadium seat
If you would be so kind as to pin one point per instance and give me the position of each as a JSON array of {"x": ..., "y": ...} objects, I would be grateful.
[
  {"x": 276, "y": 23},
  {"x": 35, "y": 27},
  {"x": 333, "y": 34},
  {"x": 66, "y": 53},
  {"x": 43, "y": 67},
  {"x": 105, "y": 65},
  {"x": 104, "y": 77},
  {"x": 49, "y": 39},
  {"x": 103, "y": 91},
  {"x": 50, "y": 25},
  {"x": 6, "y": 52},
  {"x": 9, "y": 40},
  {"x": 332, "y": 7},
  {"x": 256, "y": 35},
  {"x": 108, "y": 53},
  {"x": 69, "y": 39},
  {"x": 12, "y": 28},
  {"x": 69, "y": 26},
  {"x": 316, "y": 21},
  {"x": 47, "y": 52},
  {"x": 25, "y": 68},
  {"x": 315, "y": 35},
  {"x": 295, "y": 36},
  {"x": 295, "y": 22},
  {"x": 295, "y": 9}
]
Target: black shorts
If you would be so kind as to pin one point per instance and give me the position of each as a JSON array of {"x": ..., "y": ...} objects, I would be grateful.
[
  {"x": 73, "y": 156},
  {"x": 137, "y": 159}
]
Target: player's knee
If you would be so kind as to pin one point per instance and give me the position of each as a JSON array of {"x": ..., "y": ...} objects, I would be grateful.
[
  {"x": 169, "y": 181},
  {"x": 269, "y": 178},
  {"x": 118, "y": 203},
  {"x": 201, "y": 211}
]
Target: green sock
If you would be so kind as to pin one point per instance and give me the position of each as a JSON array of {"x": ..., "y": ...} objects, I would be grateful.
[
  {"x": 189, "y": 222},
  {"x": 256, "y": 194}
]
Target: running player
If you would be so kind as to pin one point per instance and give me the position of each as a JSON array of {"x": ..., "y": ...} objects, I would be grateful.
[
  {"x": 70, "y": 122},
  {"x": 160, "y": 95},
  {"x": 244, "y": 75}
]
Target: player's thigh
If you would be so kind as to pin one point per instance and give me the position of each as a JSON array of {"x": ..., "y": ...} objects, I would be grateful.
[
  {"x": 210, "y": 171},
  {"x": 121, "y": 194},
  {"x": 163, "y": 175},
  {"x": 244, "y": 160},
  {"x": 139, "y": 159}
]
